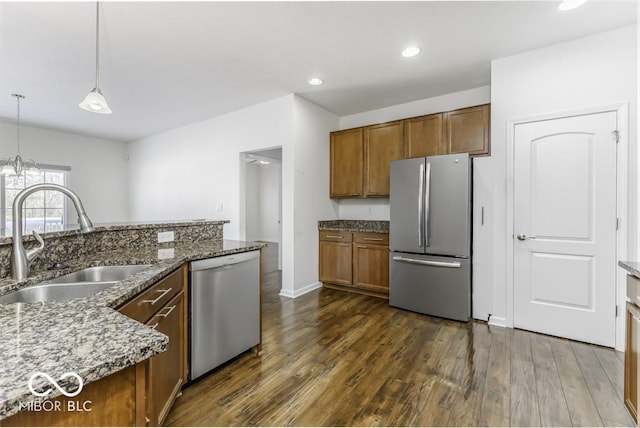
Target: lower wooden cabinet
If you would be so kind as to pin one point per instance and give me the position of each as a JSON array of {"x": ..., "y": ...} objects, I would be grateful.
[
  {"x": 163, "y": 306},
  {"x": 110, "y": 401},
  {"x": 165, "y": 372},
  {"x": 632, "y": 350},
  {"x": 357, "y": 262}
]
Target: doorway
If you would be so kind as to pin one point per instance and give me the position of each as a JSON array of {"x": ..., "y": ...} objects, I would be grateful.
[
  {"x": 263, "y": 205},
  {"x": 564, "y": 239}
]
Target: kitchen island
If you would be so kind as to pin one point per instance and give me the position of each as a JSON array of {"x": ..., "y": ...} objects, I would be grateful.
[{"x": 88, "y": 335}]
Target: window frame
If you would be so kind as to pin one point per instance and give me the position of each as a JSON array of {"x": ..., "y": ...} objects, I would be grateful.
[{"x": 6, "y": 212}]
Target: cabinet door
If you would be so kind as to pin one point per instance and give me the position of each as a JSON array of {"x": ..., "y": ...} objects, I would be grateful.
[
  {"x": 371, "y": 267},
  {"x": 467, "y": 130},
  {"x": 631, "y": 360},
  {"x": 346, "y": 163},
  {"x": 335, "y": 262},
  {"x": 165, "y": 374},
  {"x": 382, "y": 144},
  {"x": 423, "y": 136}
]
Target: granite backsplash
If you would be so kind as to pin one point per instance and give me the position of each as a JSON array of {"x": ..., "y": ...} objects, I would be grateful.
[
  {"x": 375, "y": 226},
  {"x": 70, "y": 245}
]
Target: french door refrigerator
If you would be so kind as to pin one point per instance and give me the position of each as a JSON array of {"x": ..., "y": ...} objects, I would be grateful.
[{"x": 430, "y": 235}]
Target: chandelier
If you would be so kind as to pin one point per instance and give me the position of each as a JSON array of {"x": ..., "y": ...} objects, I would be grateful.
[{"x": 15, "y": 166}]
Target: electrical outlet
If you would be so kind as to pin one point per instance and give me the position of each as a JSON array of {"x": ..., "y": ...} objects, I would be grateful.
[
  {"x": 165, "y": 237},
  {"x": 219, "y": 207},
  {"x": 165, "y": 253}
]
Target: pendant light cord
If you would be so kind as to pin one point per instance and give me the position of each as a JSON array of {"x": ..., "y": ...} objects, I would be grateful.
[
  {"x": 18, "y": 97},
  {"x": 97, "y": 44}
]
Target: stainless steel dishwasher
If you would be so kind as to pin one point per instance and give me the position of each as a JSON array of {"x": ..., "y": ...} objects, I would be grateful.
[{"x": 224, "y": 309}]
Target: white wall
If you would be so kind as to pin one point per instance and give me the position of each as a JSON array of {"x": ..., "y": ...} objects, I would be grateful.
[
  {"x": 98, "y": 167},
  {"x": 378, "y": 209},
  {"x": 252, "y": 204},
  {"x": 592, "y": 71},
  {"x": 310, "y": 182},
  {"x": 186, "y": 172},
  {"x": 263, "y": 202}
]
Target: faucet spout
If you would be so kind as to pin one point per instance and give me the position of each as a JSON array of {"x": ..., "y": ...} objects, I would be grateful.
[{"x": 20, "y": 259}]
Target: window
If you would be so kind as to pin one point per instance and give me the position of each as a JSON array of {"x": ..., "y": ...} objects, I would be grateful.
[{"x": 43, "y": 211}]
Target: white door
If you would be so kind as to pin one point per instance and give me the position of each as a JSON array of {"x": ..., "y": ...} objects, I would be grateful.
[{"x": 565, "y": 227}]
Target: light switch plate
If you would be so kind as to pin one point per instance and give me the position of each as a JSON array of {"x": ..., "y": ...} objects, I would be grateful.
[{"x": 165, "y": 237}]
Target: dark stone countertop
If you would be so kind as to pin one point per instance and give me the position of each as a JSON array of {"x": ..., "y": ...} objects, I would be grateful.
[
  {"x": 632, "y": 267},
  {"x": 87, "y": 335},
  {"x": 371, "y": 226}
]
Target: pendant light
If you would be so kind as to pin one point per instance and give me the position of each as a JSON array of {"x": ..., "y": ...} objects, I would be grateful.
[
  {"x": 15, "y": 166},
  {"x": 95, "y": 101}
]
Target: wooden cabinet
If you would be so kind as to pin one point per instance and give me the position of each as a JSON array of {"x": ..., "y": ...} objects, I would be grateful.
[
  {"x": 110, "y": 401},
  {"x": 164, "y": 374},
  {"x": 347, "y": 156},
  {"x": 163, "y": 307},
  {"x": 423, "y": 136},
  {"x": 382, "y": 144},
  {"x": 357, "y": 262},
  {"x": 335, "y": 257},
  {"x": 632, "y": 349},
  {"x": 467, "y": 130},
  {"x": 360, "y": 157},
  {"x": 371, "y": 262}
]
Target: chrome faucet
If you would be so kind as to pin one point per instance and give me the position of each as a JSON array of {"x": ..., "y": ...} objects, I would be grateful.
[{"x": 20, "y": 258}]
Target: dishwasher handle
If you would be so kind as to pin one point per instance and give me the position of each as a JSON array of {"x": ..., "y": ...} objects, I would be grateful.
[{"x": 222, "y": 261}]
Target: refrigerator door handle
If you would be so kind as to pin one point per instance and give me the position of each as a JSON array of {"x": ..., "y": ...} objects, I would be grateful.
[
  {"x": 420, "y": 205},
  {"x": 426, "y": 204},
  {"x": 427, "y": 262}
]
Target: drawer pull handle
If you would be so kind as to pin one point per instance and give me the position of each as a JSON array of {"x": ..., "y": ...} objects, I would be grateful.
[
  {"x": 335, "y": 236},
  {"x": 166, "y": 314},
  {"x": 372, "y": 239},
  {"x": 154, "y": 301},
  {"x": 154, "y": 326},
  {"x": 345, "y": 245},
  {"x": 362, "y": 246}
]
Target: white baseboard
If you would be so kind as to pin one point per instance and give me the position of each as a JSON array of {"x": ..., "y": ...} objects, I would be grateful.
[
  {"x": 299, "y": 292},
  {"x": 497, "y": 321}
]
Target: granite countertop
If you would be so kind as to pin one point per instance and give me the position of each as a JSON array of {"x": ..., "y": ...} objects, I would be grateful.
[
  {"x": 632, "y": 267},
  {"x": 87, "y": 335},
  {"x": 70, "y": 230},
  {"x": 371, "y": 226}
]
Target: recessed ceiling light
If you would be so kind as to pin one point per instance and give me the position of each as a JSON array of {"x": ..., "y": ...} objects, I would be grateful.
[
  {"x": 316, "y": 81},
  {"x": 410, "y": 52},
  {"x": 571, "y": 4}
]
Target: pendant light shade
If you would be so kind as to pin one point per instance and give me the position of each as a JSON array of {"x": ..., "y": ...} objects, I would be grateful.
[
  {"x": 95, "y": 102},
  {"x": 16, "y": 166}
]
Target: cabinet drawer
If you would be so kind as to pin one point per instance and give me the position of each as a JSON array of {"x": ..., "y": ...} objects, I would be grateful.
[
  {"x": 150, "y": 301},
  {"x": 633, "y": 289},
  {"x": 371, "y": 238},
  {"x": 328, "y": 235}
]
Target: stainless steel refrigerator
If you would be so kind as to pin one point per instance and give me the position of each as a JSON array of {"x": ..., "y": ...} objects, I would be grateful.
[{"x": 430, "y": 236}]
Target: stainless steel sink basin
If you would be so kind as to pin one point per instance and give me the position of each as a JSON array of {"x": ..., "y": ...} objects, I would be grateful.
[
  {"x": 98, "y": 274},
  {"x": 82, "y": 283}
]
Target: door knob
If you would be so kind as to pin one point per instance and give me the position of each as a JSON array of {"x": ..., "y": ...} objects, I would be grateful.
[{"x": 521, "y": 237}]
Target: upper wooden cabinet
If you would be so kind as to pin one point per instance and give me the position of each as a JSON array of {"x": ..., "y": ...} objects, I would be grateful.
[
  {"x": 360, "y": 157},
  {"x": 423, "y": 136},
  {"x": 347, "y": 154},
  {"x": 467, "y": 130},
  {"x": 382, "y": 144}
]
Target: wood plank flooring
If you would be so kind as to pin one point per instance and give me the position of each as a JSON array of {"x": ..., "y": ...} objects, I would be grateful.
[{"x": 339, "y": 359}]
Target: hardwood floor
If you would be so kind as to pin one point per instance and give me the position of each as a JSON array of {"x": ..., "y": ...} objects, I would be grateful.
[{"x": 340, "y": 359}]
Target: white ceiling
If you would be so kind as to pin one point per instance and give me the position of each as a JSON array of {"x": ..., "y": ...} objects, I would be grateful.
[{"x": 168, "y": 64}]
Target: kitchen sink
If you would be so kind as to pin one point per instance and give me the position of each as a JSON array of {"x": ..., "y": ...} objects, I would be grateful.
[
  {"x": 98, "y": 274},
  {"x": 82, "y": 283}
]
